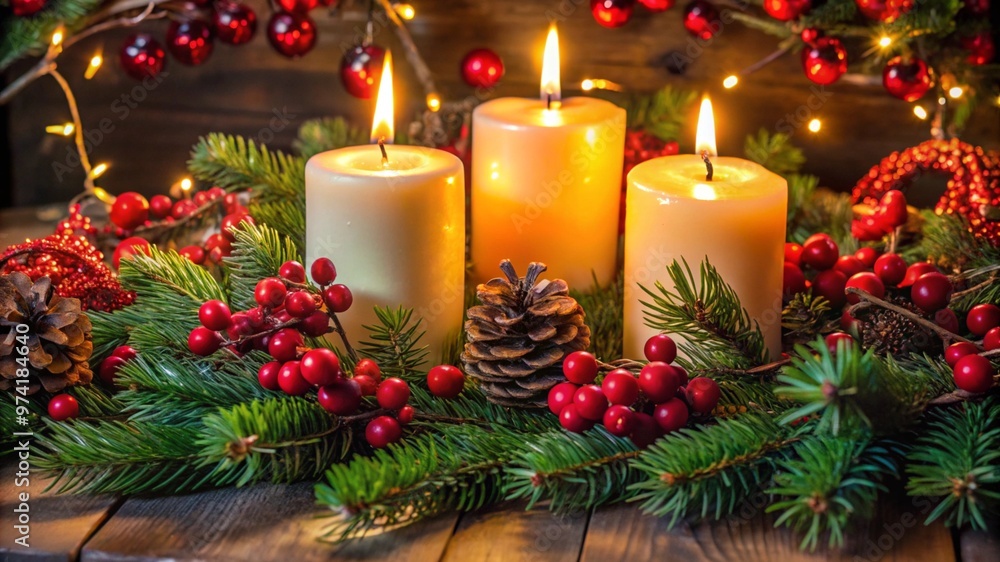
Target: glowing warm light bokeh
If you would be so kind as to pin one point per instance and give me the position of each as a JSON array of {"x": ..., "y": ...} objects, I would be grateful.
[
  {"x": 550, "y": 86},
  {"x": 705, "y": 137},
  {"x": 383, "y": 124}
]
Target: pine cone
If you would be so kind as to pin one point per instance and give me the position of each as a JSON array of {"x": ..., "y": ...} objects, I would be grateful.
[
  {"x": 57, "y": 338},
  {"x": 519, "y": 335},
  {"x": 890, "y": 333}
]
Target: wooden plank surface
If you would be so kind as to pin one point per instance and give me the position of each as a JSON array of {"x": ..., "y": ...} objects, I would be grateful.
[
  {"x": 58, "y": 525},
  {"x": 260, "y": 523},
  {"x": 508, "y": 533}
]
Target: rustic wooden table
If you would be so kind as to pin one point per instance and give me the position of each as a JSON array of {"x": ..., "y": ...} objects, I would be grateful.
[{"x": 280, "y": 523}]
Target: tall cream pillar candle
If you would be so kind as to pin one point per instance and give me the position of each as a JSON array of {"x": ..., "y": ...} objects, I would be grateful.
[
  {"x": 546, "y": 182},
  {"x": 736, "y": 220},
  {"x": 395, "y": 229}
]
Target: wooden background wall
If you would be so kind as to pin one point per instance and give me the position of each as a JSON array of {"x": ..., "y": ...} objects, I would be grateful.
[{"x": 241, "y": 88}]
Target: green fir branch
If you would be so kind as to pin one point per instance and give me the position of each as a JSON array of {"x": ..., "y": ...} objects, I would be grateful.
[
  {"x": 471, "y": 406},
  {"x": 24, "y": 36},
  {"x": 804, "y": 317},
  {"x": 328, "y": 133},
  {"x": 774, "y": 151},
  {"x": 394, "y": 343},
  {"x": 662, "y": 113},
  {"x": 258, "y": 252},
  {"x": 824, "y": 211}
]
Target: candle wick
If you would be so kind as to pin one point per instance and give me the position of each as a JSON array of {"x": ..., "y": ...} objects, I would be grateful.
[
  {"x": 548, "y": 101},
  {"x": 708, "y": 165},
  {"x": 385, "y": 155}
]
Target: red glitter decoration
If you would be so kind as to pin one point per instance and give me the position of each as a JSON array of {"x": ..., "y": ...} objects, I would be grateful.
[
  {"x": 973, "y": 189},
  {"x": 76, "y": 268}
]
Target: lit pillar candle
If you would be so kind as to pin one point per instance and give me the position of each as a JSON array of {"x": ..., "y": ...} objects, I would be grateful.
[
  {"x": 546, "y": 182},
  {"x": 736, "y": 220},
  {"x": 394, "y": 226}
]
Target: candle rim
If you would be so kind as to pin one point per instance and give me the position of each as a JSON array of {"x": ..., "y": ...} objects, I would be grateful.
[
  {"x": 502, "y": 112},
  {"x": 684, "y": 173},
  {"x": 341, "y": 161}
]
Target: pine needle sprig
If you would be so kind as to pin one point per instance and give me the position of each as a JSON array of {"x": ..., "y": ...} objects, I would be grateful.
[
  {"x": 804, "y": 316},
  {"x": 95, "y": 402},
  {"x": 603, "y": 307},
  {"x": 572, "y": 471},
  {"x": 285, "y": 215},
  {"x": 327, "y": 133},
  {"x": 824, "y": 211},
  {"x": 394, "y": 343},
  {"x": 956, "y": 460},
  {"x": 159, "y": 276},
  {"x": 471, "y": 406},
  {"x": 662, "y": 113},
  {"x": 709, "y": 471},
  {"x": 23, "y": 36},
  {"x": 829, "y": 483},
  {"x": 258, "y": 252},
  {"x": 801, "y": 189},
  {"x": 774, "y": 151}
]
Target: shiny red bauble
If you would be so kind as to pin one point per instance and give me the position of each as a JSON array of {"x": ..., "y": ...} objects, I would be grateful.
[
  {"x": 368, "y": 368},
  {"x": 202, "y": 341},
  {"x": 701, "y": 19},
  {"x": 383, "y": 431},
  {"x": 292, "y": 271},
  {"x": 323, "y": 271},
  {"x": 292, "y": 35},
  {"x": 338, "y": 297},
  {"x": 958, "y": 350},
  {"x": 190, "y": 41},
  {"x": 849, "y": 265},
  {"x": 392, "y": 393},
  {"x": 270, "y": 292},
  {"x": 63, "y": 407},
  {"x": 320, "y": 367},
  {"x": 142, "y": 56},
  {"x": 785, "y": 10},
  {"x": 660, "y": 347},
  {"x": 980, "y": 47},
  {"x": 267, "y": 375},
  {"x": 26, "y": 7},
  {"x": 820, "y": 253},
  {"x": 215, "y": 315},
  {"x": 884, "y": 10},
  {"x": 341, "y": 398},
  {"x": 360, "y": 70},
  {"x": 235, "y": 23},
  {"x": 612, "y": 13},
  {"x": 571, "y": 420},
  {"x": 560, "y": 396},
  {"x": 590, "y": 402},
  {"x": 129, "y": 247},
  {"x": 297, "y": 6},
  {"x": 291, "y": 381},
  {"x": 658, "y": 381},
  {"x": 300, "y": 304},
  {"x": 284, "y": 344},
  {"x": 915, "y": 271},
  {"x": 830, "y": 285},
  {"x": 825, "y": 60},
  {"x": 657, "y": 5},
  {"x": 482, "y": 68},
  {"x": 982, "y": 318},
  {"x": 445, "y": 381},
  {"x": 991, "y": 340},
  {"x": 907, "y": 79},
  {"x": 129, "y": 210},
  {"x": 974, "y": 373},
  {"x": 702, "y": 395},
  {"x": 793, "y": 281},
  {"x": 890, "y": 268},
  {"x": 867, "y": 282},
  {"x": 931, "y": 292},
  {"x": 619, "y": 420},
  {"x": 620, "y": 387},
  {"x": 671, "y": 415},
  {"x": 580, "y": 367}
]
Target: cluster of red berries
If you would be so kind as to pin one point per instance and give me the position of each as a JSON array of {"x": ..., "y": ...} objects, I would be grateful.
[
  {"x": 973, "y": 372},
  {"x": 108, "y": 371},
  {"x": 889, "y": 214},
  {"x": 641, "y": 408}
]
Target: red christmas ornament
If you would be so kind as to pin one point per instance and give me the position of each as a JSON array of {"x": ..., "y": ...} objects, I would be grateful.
[
  {"x": 908, "y": 80},
  {"x": 190, "y": 41},
  {"x": 785, "y": 10},
  {"x": 297, "y": 6},
  {"x": 824, "y": 60},
  {"x": 612, "y": 13},
  {"x": 482, "y": 68},
  {"x": 292, "y": 35},
  {"x": 701, "y": 19},
  {"x": 235, "y": 23},
  {"x": 657, "y": 5},
  {"x": 142, "y": 56},
  {"x": 360, "y": 70},
  {"x": 980, "y": 47},
  {"x": 884, "y": 10},
  {"x": 26, "y": 7}
]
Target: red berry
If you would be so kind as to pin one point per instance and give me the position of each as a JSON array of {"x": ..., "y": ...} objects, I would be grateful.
[
  {"x": 931, "y": 292},
  {"x": 867, "y": 282},
  {"x": 991, "y": 340},
  {"x": 183, "y": 208},
  {"x": 218, "y": 247},
  {"x": 291, "y": 381},
  {"x": 571, "y": 420},
  {"x": 267, "y": 375},
  {"x": 830, "y": 285},
  {"x": 270, "y": 292},
  {"x": 445, "y": 381},
  {"x": 405, "y": 415},
  {"x": 323, "y": 271},
  {"x": 658, "y": 381},
  {"x": 338, "y": 297},
  {"x": 560, "y": 396},
  {"x": 847, "y": 322},
  {"x": 590, "y": 402},
  {"x": 203, "y": 341},
  {"x": 671, "y": 415},
  {"x": 947, "y": 319},
  {"x": 793, "y": 281},
  {"x": 982, "y": 318},
  {"x": 890, "y": 268},
  {"x": 320, "y": 366},
  {"x": 644, "y": 431},
  {"x": 129, "y": 210},
  {"x": 619, "y": 420},
  {"x": 915, "y": 271},
  {"x": 129, "y": 247},
  {"x": 820, "y": 253},
  {"x": 867, "y": 256},
  {"x": 215, "y": 315},
  {"x": 621, "y": 387},
  {"x": 834, "y": 339},
  {"x": 109, "y": 369},
  {"x": 317, "y": 324},
  {"x": 793, "y": 253},
  {"x": 849, "y": 265},
  {"x": 284, "y": 344},
  {"x": 341, "y": 398},
  {"x": 194, "y": 253},
  {"x": 160, "y": 206},
  {"x": 974, "y": 373},
  {"x": 867, "y": 229},
  {"x": 126, "y": 352},
  {"x": 293, "y": 271},
  {"x": 660, "y": 348},
  {"x": 63, "y": 407},
  {"x": 233, "y": 222},
  {"x": 580, "y": 367},
  {"x": 215, "y": 193},
  {"x": 703, "y": 395},
  {"x": 891, "y": 210},
  {"x": 300, "y": 304},
  {"x": 959, "y": 350},
  {"x": 392, "y": 393},
  {"x": 681, "y": 375},
  {"x": 383, "y": 431},
  {"x": 368, "y": 368},
  {"x": 368, "y": 385}
]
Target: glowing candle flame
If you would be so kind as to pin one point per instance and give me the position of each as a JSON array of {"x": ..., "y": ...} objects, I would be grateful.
[
  {"x": 705, "y": 137},
  {"x": 95, "y": 64},
  {"x": 550, "y": 88},
  {"x": 383, "y": 124}
]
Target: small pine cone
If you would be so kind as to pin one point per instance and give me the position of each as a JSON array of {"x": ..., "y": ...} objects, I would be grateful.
[
  {"x": 893, "y": 334},
  {"x": 57, "y": 336},
  {"x": 519, "y": 334}
]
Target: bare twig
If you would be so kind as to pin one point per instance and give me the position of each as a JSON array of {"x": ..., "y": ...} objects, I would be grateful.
[
  {"x": 412, "y": 54},
  {"x": 74, "y": 110}
]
